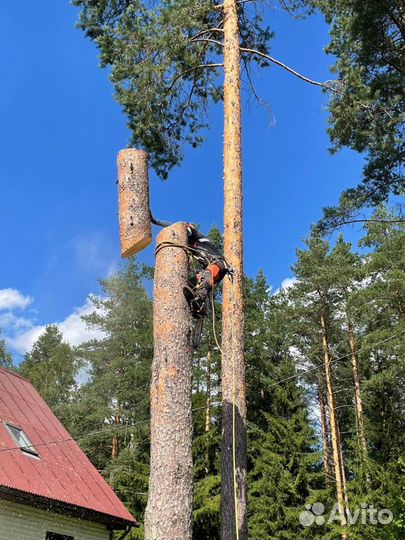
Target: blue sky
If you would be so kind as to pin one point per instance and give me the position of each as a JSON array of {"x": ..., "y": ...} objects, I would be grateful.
[{"x": 59, "y": 136}]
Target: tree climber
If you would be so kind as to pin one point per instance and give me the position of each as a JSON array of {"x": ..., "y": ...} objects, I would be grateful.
[{"x": 214, "y": 270}]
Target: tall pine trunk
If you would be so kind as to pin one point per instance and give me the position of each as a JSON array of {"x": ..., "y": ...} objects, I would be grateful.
[
  {"x": 325, "y": 429},
  {"x": 233, "y": 457},
  {"x": 116, "y": 440},
  {"x": 169, "y": 509},
  {"x": 335, "y": 434},
  {"x": 357, "y": 393}
]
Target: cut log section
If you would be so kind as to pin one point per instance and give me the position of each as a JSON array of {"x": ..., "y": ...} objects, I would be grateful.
[{"x": 133, "y": 201}]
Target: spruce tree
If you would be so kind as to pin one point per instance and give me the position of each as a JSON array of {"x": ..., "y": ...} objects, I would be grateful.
[{"x": 284, "y": 462}]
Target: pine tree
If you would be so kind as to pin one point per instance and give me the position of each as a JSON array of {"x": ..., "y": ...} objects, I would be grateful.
[
  {"x": 52, "y": 367},
  {"x": 368, "y": 112},
  {"x": 115, "y": 399},
  {"x": 348, "y": 277},
  {"x": 314, "y": 297}
]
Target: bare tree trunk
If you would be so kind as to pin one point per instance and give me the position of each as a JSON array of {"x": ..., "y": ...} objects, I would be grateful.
[
  {"x": 169, "y": 509},
  {"x": 326, "y": 444},
  {"x": 208, "y": 403},
  {"x": 357, "y": 393},
  {"x": 233, "y": 456},
  {"x": 116, "y": 440},
  {"x": 335, "y": 435}
]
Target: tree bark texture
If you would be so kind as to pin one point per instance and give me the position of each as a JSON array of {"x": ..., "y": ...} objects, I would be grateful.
[
  {"x": 334, "y": 426},
  {"x": 325, "y": 428},
  {"x": 169, "y": 509},
  {"x": 357, "y": 393},
  {"x": 133, "y": 201},
  {"x": 233, "y": 367},
  {"x": 116, "y": 440}
]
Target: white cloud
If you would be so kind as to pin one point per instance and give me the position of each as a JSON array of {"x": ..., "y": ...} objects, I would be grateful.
[
  {"x": 12, "y": 299},
  {"x": 75, "y": 330},
  {"x": 23, "y": 342},
  {"x": 21, "y": 334},
  {"x": 287, "y": 283},
  {"x": 9, "y": 319}
]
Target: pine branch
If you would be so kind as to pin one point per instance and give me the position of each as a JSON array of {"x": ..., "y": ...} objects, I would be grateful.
[
  {"x": 208, "y": 31},
  {"x": 290, "y": 70},
  {"x": 192, "y": 70},
  {"x": 208, "y": 40},
  {"x": 324, "y": 85},
  {"x": 372, "y": 221}
]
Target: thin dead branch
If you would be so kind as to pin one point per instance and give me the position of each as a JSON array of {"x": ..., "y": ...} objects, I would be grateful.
[
  {"x": 290, "y": 70},
  {"x": 208, "y": 31}
]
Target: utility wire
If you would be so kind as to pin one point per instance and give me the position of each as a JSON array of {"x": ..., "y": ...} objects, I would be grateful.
[
  {"x": 214, "y": 404},
  {"x": 314, "y": 368},
  {"x": 110, "y": 429}
]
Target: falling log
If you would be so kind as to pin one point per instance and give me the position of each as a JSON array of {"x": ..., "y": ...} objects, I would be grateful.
[
  {"x": 133, "y": 201},
  {"x": 169, "y": 509}
]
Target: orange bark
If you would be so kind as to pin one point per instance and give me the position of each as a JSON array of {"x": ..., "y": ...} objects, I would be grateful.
[
  {"x": 133, "y": 198},
  {"x": 335, "y": 434},
  {"x": 233, "y": 513},
  {"x": 169, "y": 509}
]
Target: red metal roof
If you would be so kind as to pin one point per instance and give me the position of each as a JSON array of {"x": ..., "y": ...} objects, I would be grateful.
[{"x": 63, "y": 472}]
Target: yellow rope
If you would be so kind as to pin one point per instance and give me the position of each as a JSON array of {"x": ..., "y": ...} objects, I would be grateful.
[{"x": 235, "y": 479}]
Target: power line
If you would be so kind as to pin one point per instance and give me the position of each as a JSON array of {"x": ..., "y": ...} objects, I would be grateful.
[
  {"x": 110, "y": 429},
  {"x": 218, "y": 403},
  {"x": 314, "y": 368}
]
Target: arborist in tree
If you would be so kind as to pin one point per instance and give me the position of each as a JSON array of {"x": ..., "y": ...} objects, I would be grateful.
[{"x": 214, "y": 270}]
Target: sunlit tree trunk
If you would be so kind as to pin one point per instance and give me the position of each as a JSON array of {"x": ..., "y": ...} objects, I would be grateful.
[
  {"x": 169, "y": 509},
  {"x": 325, "y": 429},
  {"x": 233, "y": 462},
  {"x": 335, "y": 435},
  {"x": 116, "y": 440},
  {"x": 357, "y": 392}
]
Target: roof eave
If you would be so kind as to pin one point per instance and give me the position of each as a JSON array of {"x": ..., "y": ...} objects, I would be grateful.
[{"x": 61, "y": 507}]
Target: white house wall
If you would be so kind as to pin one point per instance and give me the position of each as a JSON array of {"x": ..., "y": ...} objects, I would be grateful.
[{"x": 21, "y": 522}]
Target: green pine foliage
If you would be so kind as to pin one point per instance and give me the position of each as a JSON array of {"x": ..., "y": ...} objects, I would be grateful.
[
  {"x": 366, "y": 290},
  {"x": 52, "y": 367},
  {"x": 368, "y": 115},
  {"x": 165, "y": 66},
  {"x": 115, "y": 398},
  {"x": 104, "y": 387}
]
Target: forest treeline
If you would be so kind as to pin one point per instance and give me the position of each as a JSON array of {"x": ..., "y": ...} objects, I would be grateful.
[{"x": 342, "y": 315}]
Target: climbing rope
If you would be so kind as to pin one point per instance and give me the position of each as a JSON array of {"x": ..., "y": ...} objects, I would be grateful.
[
  {"x": 188, "y": 249},
  {"x": 234, "y": 466},
  {"x": 235, "y": 470}
]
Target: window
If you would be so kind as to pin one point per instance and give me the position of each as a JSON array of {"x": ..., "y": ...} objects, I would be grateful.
[
  {"x": 22, "y": 440},
  {"x": 56, "y": 536}
]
